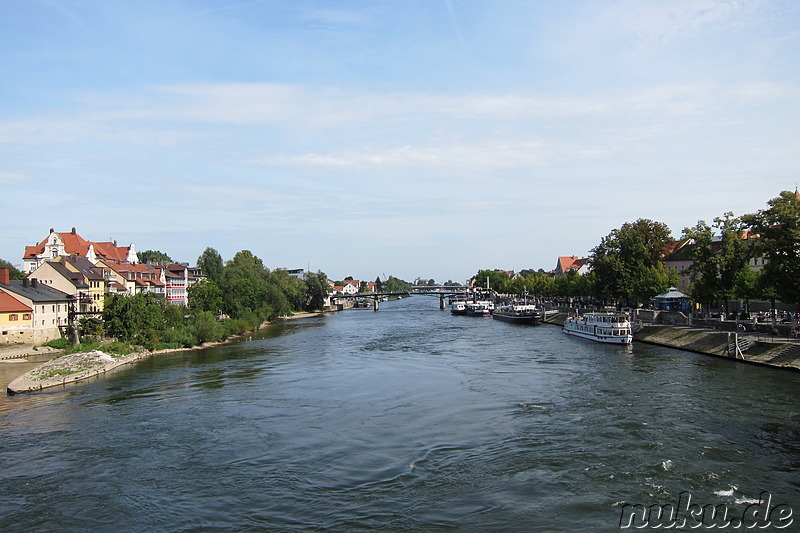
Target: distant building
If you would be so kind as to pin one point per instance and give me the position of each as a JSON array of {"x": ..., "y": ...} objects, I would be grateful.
[
  {"x": 678, "y": 259},
  {"x": 76, "y": 276},
  {"x": 136, "y": 278},
  {"x": 672, "y": 300},
  {"x": 297, "y": 272},
  {"x": 49, "y": 310},
  {"x": 566, "y": 263},
  {"x": 61, "y": 244},
  {"x": 16, "y": 320}
]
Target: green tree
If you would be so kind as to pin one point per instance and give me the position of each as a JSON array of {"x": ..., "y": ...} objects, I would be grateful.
[
  {"x": 495, "y": 278},
  {"x": 205, "y": 327},
  {"x": 393, "y": 284},
  {"x": 734, "y": 255},
  {"x": 317, "y": 290},
  {"x": 292, "y": 287},
  {"x": 138, "y": 319},
  {"x": 570, "y": 284},
  {"x": 205, "y": 295},
  {"x": 747, "y": 287},
  {"x": 704, "y": 271},
  {"x": 778, "y": 241},
  {"x": 210, "y": 262},
  {"x": 13, "y": 272},
  {"x": 153, "y": 257},
  {"x": 627, "y": 264},
  {"x": 245, "y": 265},
  {"x": 243, "y": 295}
]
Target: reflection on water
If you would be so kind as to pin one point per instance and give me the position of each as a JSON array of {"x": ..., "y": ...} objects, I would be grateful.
[{"x": 404, "y": 419}]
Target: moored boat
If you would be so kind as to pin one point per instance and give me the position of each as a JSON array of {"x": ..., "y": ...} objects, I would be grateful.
[
  {"x": 518, "y": 314},
  {"x": 458, "y": 307},
  {"x": 480, "y": 308},
  {"x": 612, "y": 328}
]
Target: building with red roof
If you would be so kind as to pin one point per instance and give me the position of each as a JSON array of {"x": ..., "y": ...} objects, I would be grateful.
[
  {"x": 41, "y": 311},
  {"x": 58, "y": 244},
  {"x": 16, "y": 320},
  {"x": 571, "y": 262}
]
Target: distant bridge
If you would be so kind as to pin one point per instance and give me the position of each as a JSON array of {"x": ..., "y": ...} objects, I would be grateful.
[{"x": 442, "y": 291}]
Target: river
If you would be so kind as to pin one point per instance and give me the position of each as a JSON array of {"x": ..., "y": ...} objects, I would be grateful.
[{"x": 406, "y": 419}]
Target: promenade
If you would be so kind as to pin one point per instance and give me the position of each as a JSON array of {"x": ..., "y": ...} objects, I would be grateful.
[
  {"x": 21, "y": 351},
  {"x": 778, "y": 351}
]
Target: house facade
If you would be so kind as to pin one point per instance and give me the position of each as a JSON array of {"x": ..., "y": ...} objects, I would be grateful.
[
  {"x": 49, "y": 307},
  {"x": 16, "y": 320},
  {"x": 179, "y": 277},
  {"x": 78, "y": 277},
  {"x": 136, "y": 278},
  {"x": 62, "y": 244}
]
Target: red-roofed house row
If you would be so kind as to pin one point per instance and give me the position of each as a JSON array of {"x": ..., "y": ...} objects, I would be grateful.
[
  {"x": 61, "y": 244},
  {"x": 88, "y": 270}
]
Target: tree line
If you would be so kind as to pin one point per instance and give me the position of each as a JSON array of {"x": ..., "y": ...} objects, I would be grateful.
[
  {"x": 627, "y": 266},
  {"x": 241, "y": 290}
]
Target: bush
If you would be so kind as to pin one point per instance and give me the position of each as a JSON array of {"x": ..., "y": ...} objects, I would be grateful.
[
  {"x": 117, "y": 348},
  {"x": 206, "y": 328},
  {"x": 89, "y": 345},
  {"x": 58, "y": 344}
]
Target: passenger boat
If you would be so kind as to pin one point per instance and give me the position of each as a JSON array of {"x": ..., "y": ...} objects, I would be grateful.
[
  {"x": 518, "y": 314},
  {"x": 613, "y": 328},
  {"x": 480, "y": 308}
]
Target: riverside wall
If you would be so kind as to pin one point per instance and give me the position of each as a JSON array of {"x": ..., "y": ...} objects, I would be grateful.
[{"x": 756, "y": 348}]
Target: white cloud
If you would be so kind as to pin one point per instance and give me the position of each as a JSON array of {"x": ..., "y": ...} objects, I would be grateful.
[
  {"x": 655, "y": 21},
  {"x": 7, "y": 178},
  {"x": 467, "y": 155}
]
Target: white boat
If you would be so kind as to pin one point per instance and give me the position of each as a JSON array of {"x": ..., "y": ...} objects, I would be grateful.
[
  {"x": 458, "y": 307},
  {"x": 613, "y": 328}
]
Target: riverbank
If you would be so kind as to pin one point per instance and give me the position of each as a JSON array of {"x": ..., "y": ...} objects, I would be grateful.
[
  {"x": 73, "y": 368},
  {"x": 775, "y": 352}
]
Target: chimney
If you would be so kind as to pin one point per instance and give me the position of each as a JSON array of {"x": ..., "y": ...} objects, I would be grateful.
[
  {"x": 5, "y": 275},
  {"x": 33, "y": 282},
  {"x": 73, "y": 231},
  {"x": 24, "y": 282}
]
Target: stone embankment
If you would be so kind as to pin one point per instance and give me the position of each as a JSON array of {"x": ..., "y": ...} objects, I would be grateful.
[
  {"x": 70, "y": 368},
  {"x": 779, "y": 352}
]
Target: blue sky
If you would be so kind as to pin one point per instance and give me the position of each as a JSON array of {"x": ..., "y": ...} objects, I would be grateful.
[{"x": 418, "y": 138}]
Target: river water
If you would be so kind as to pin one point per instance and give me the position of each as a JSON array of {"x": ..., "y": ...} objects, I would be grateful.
[{"x": 408, "y": 419}]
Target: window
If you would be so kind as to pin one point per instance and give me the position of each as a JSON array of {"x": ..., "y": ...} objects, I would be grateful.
[
  {"x": 13, "y": 317},
  {"x": 26, "y": 316}
]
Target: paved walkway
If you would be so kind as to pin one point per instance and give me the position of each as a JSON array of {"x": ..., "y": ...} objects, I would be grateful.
[{"x": 16, "y": 351}]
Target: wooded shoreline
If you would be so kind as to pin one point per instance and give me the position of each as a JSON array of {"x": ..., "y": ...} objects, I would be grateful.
[{"x": 73, "y": 368}]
